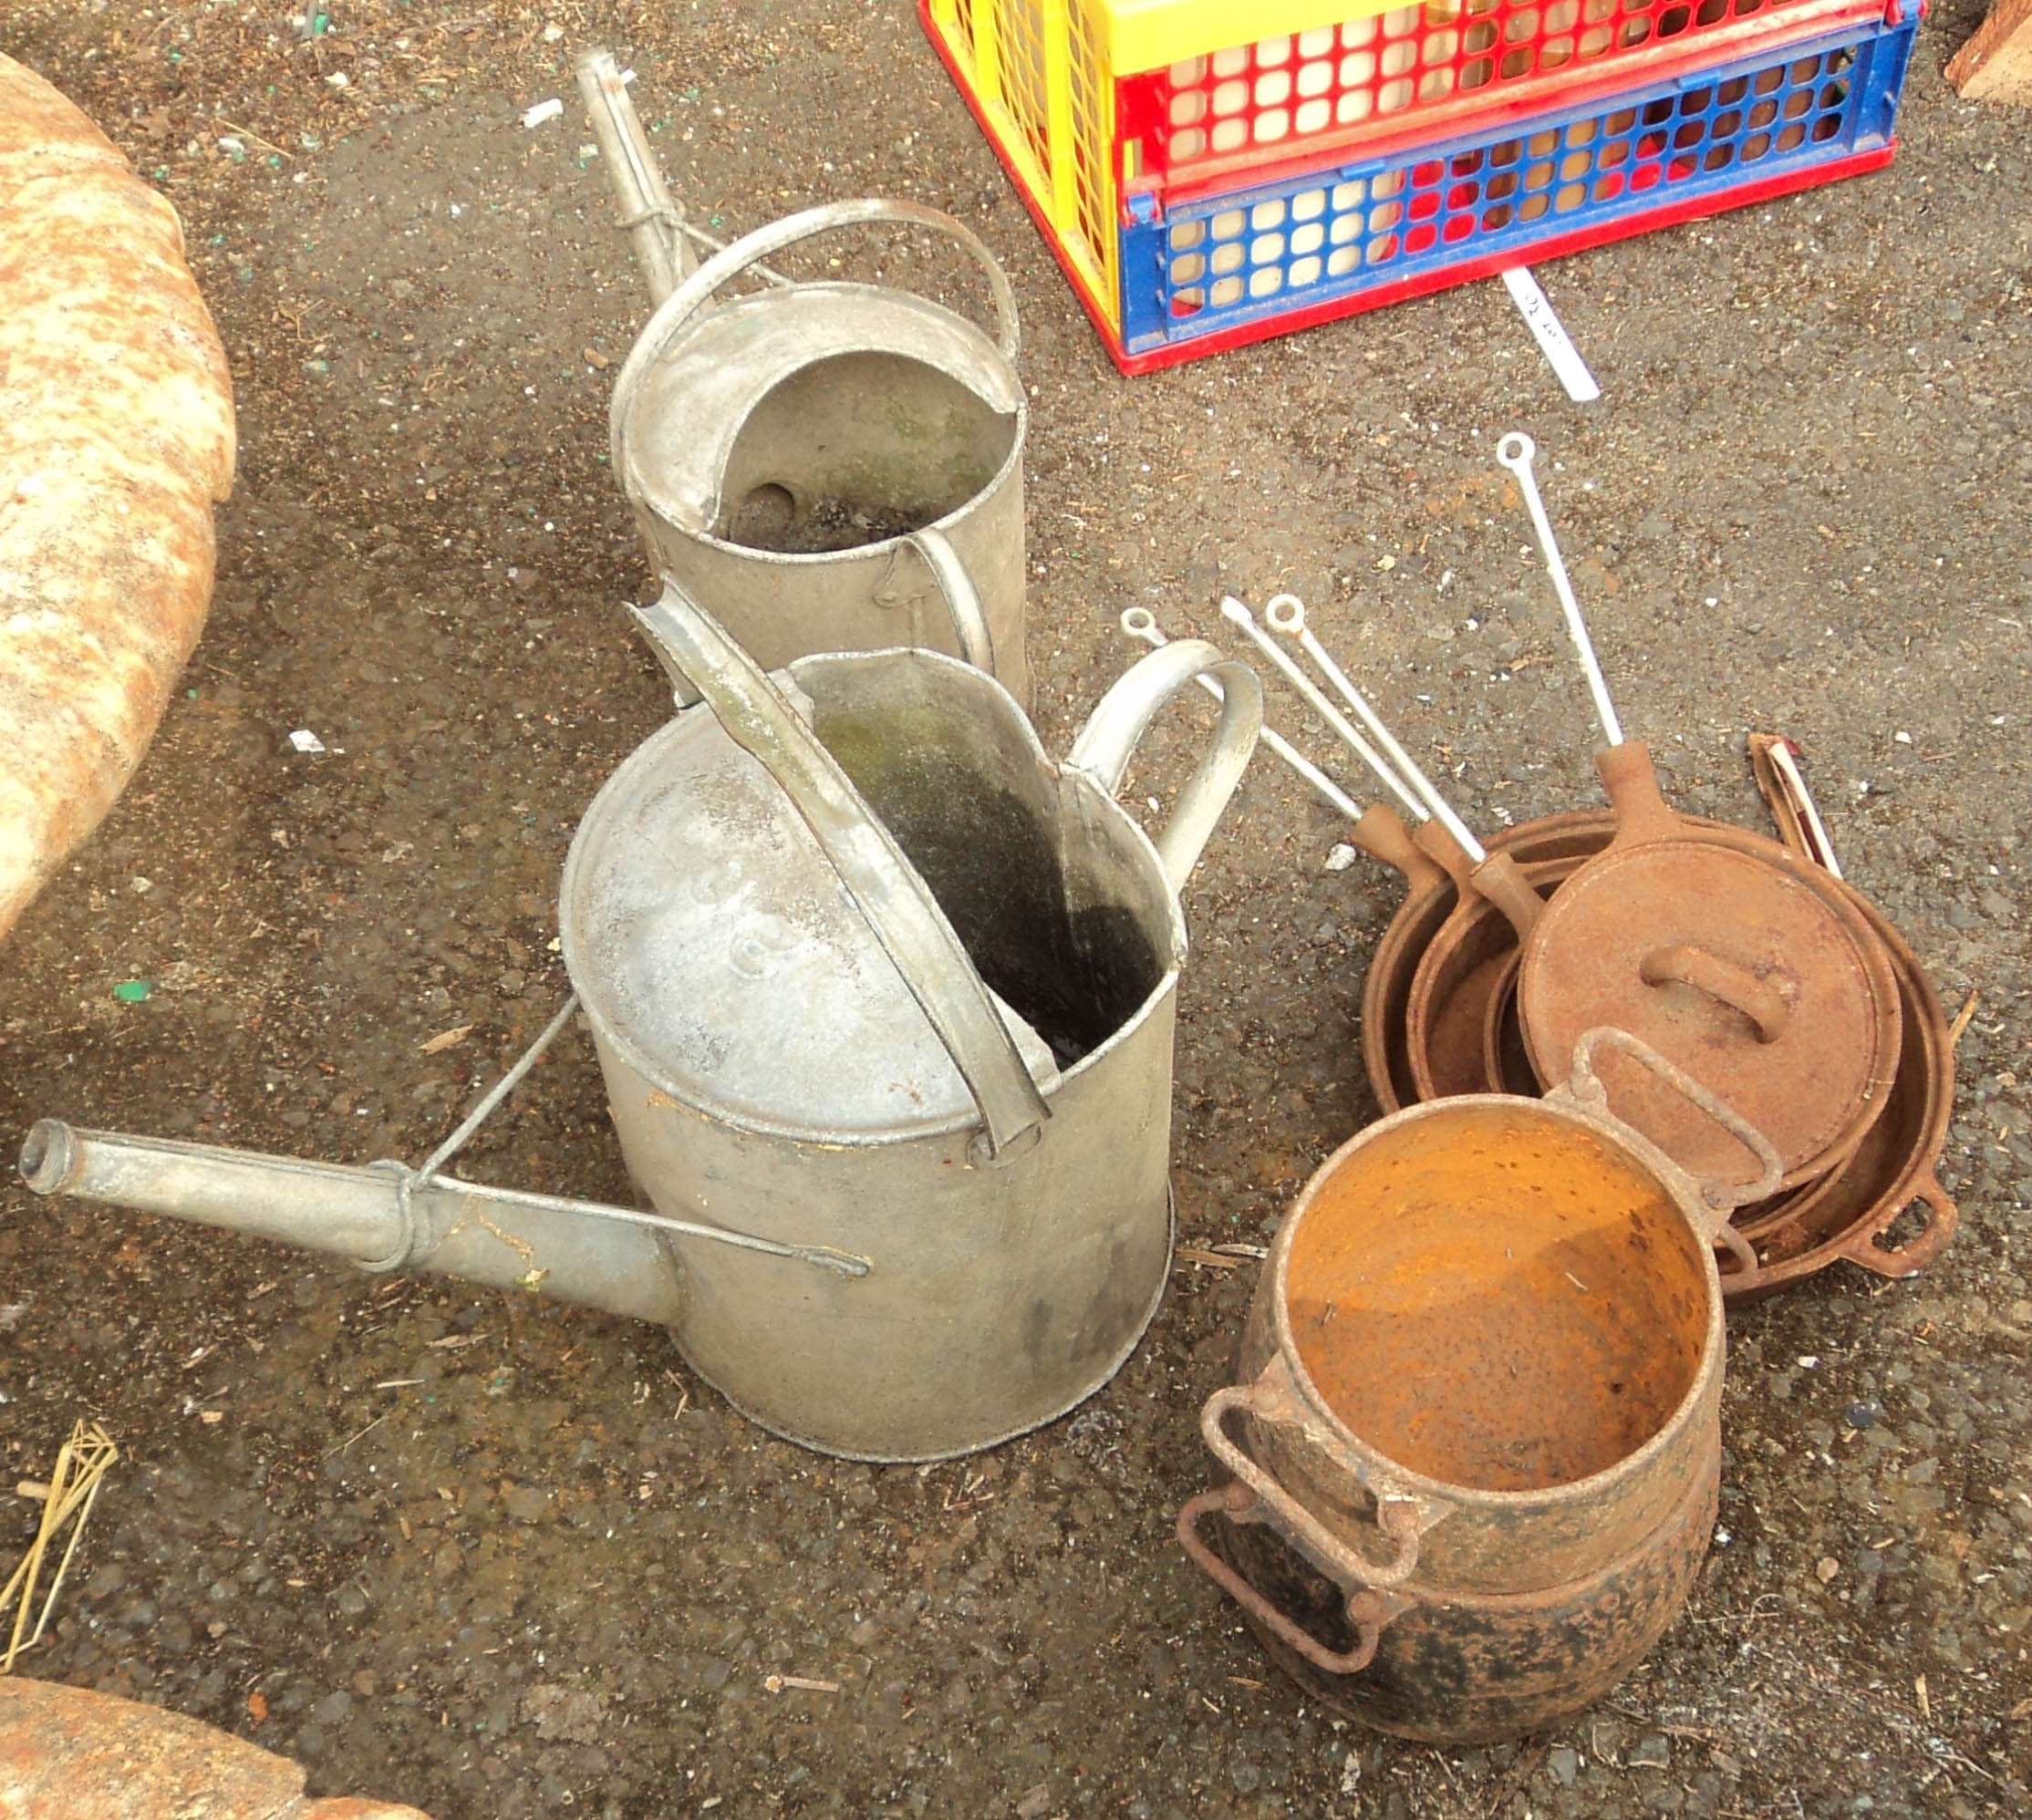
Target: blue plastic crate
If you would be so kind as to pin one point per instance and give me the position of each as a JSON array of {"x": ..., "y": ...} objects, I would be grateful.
[{"x": 1231, "y": 268}]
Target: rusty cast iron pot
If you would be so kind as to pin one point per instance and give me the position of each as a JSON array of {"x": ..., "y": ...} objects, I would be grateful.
[
  {"x": 1741, "y": 962},
  {"x": 1481, "y": 1393}
]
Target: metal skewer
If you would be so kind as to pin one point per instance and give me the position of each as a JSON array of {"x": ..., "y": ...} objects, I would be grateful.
[
  {"x": 1517, "y": 451},
  {"x": 1140, "y": 622},
  {"x": 1237, "y": 615},
  {"x": 1286, "y": 614}
]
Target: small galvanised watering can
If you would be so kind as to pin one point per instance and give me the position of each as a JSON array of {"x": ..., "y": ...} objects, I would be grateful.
[
  {"x": 884, "y": 998},
  {"x": 826, "y": 466}
]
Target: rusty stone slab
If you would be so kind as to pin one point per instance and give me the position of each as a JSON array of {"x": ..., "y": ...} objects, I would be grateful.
[
  {"x": 116, "y": 436},
  {"x": 70, "y": 1753}
]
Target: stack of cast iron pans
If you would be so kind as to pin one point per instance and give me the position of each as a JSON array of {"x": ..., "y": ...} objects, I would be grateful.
[{"x": 1777, "y": 983}]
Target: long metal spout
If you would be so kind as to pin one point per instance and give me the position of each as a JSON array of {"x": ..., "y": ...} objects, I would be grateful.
[
  {"x": 388, "y": 1216},
  {"x": 648, "y": 216}
]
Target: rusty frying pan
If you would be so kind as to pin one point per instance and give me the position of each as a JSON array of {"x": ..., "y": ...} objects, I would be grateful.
[
  {"x": 1847, "y": 1212},
  {"x": 1537, "y": 847},
  {"x": 1747, "y": 967}
]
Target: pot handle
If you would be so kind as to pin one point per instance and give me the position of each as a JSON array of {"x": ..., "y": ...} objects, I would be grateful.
[
  {"x": 1907, "y": 1260},
  {"x": 1366, "y": 1613},
  {"x": 731, "y": 262},
  {"x": 1123, "y": 715},
  {"x": 877, "y": 875},
  {"x": 1273, "y": 1398},
  {"x": 962, "y": 598},
  {"x": 1583, "y": 1088}
]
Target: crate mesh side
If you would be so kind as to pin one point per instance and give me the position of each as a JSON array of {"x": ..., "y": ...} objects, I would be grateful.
[
  {"x": 1025, "y": 90},
  {"x": 1092, "y": 150},
  {"x": 1285, "y": 90},
  {"x": 1324, "y": 238}
]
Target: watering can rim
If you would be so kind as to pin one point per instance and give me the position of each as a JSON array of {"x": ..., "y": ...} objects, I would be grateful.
[
  {"x": 685, "y": 724},
  {"x": 671, "y": 504},
  {"x": 679, "y": 313},
  {"x": 1387, "y": 1477}
]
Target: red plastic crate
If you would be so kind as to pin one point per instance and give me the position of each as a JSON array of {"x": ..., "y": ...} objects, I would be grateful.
[{"x": 1253, "y": 112}]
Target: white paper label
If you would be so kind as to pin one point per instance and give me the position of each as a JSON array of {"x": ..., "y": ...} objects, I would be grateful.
[{"x": 1552, "y": 338}]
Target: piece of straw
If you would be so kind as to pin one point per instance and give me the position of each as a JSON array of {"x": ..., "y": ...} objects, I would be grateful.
[{"x": 82, "y": 1463}]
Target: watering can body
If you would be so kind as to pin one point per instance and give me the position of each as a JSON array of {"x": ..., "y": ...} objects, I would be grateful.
[
  {"x": 832, "y": 466},
  {"x": 768, "y": 1065}
]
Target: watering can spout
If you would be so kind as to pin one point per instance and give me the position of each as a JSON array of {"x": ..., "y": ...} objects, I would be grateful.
[
  {"x": 388, "y": 1216},
  {"x": 650, "y": 219}
]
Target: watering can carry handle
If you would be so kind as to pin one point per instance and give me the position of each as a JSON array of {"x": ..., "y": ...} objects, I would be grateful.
[
  {"x": 885, "y": 886},
  {"x": 724, "y": 266},
  {"x": 1118, "y": 723}
]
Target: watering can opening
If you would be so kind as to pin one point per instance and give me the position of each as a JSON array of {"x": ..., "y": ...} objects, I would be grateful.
[
  {"x": 855, "y": 448},
  {"x": 1494, "y": 1297},
  {"x": 1032, "y": 866}
]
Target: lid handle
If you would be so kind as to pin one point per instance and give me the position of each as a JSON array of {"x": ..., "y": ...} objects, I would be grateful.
[
  {"x": 886, "y": 887},
  {"x": 1741, "y": 990}
]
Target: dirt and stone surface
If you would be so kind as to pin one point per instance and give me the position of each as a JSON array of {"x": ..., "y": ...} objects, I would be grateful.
[{"x": 500, "y": 1557}]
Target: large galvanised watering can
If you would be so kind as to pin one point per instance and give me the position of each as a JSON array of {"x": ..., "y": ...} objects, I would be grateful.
[
  {"x": 884, "y": 998},
  {"x": 825, "y": 466}
]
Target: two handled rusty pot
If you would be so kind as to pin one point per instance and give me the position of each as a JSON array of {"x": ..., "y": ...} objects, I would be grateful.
[{"x": 1480, "y": 1440}]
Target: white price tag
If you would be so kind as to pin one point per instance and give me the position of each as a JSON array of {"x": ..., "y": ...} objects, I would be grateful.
[{"x": 1553, "y": 341}]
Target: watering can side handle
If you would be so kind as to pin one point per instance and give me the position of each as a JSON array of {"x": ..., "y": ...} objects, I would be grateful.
[
  {"x": 887, "y": 889},
  {"x": 696, "y": 290},
  {"x": 969, "y": 619},
  {"x": 1123, "y": 715}
]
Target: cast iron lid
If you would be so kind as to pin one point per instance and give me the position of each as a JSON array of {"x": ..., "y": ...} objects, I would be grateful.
[{"x": 1733, "y": 958}]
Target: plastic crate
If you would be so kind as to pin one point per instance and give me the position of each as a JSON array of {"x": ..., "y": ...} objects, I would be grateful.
[
  {"x": 1221, "y": 270},
  {"x": 1099, "y": 108}
]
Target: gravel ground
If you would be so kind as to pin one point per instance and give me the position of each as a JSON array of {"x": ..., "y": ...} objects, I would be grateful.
[{"x": 497, "y": 1557}]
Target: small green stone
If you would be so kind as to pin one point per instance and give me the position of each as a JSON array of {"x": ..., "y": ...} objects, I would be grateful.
[{"x": 132, "y": 991}]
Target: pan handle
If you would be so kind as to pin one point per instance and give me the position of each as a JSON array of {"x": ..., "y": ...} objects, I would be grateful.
[
  {"x": 1381, "y": 834},
  {"x": 1274, "y": 1399},
  {"x": 1584, "y": 1090},
  {"x": 1109, "y": 740},
  {"x": 1630, "y": 781},
  {"x": 1907, "y": 1260},
  {"x": 1366, "y": 1613}
]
